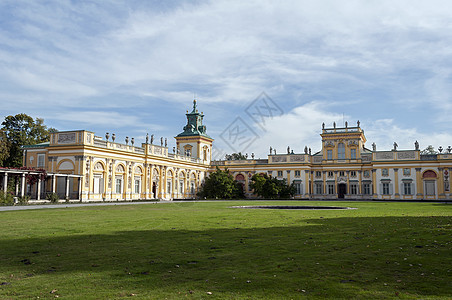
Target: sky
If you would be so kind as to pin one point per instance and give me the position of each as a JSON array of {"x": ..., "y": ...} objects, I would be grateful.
[{"x": 264, "y": 73}]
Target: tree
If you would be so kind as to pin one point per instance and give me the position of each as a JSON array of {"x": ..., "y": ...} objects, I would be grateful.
[
  {"x": 4, "y": 147},
  {"x": 270, "y": 187},
  {"x": 235, "y": 156},
  {"x": 20, "y": 130},
  {"x": 221, "y": 185},
  {"x": 429, "y": 150}
]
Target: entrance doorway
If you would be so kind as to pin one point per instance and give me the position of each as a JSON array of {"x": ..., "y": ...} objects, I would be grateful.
[
  {"x": 154, "y": 190},
  {"x": 341, "y": 190}
]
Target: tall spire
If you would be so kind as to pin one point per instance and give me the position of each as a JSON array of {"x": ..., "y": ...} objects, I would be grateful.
[{"x": 194, "y": 106}]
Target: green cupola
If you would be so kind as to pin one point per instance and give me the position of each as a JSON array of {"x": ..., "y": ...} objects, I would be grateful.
[{"x": 194, "y": 125}]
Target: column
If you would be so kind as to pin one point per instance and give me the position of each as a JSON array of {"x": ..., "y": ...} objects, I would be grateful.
[
  {"x": 440, "y": 183},
  {"x": 348, "y": 184},
  {"x": 39, "y": 189},
  {"x": 67, "y": 188},
  {"x": 419, "y": 184},
  {"x": 308, "y": 183},
  {"x": 374, "y": 183},
  {"x": 5, "y": 182},
  {"x": 324, "y": 183},
  {"x": 360, "y": 182},
  {"x": 396, "y": 183},
  {"x": 80, "y": 181},
  {"x": 53, "y": 183},
  {"x": 22, "y": 191}
]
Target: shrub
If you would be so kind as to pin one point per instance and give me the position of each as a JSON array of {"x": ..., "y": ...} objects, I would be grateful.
[
  {"x": 23, "y": 200},
  {"x": 6, "y": 198},
  {"x": 52, "y": 197}
]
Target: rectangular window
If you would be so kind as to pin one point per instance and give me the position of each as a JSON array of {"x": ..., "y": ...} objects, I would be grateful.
[
  {"x": 329, "y": 154},
  {"x": 385, "y": 188},
  {"x": 297, "y": 173},
  {"x": 98, "y": 184},
  {"x": 318, "y": 174},
  {"x": 330, "y": 174},
  {"x": 407, "y": 188},
  {"x": 366, "y": 188},
  {"x": 168, "y": 187},
  {"x": 41, "y": 160},
  {"x": 353, "y": 173},
  {"x": 298, "y": 188},
  {"x": 353, "y": 153},
  {"x": 279, "y": 173},
  {"x": 118, "y": 185},
  {"x": 341, "y": 173},
  {"x": 341, "y": 151},
  {"x": 330, "y": 189},
  {"x": 181, "y": 187},
  {"x": 353, "y": 189},
  {"x": 430, "y": 187},
  {"x": 318, "y": 189},
  {"x": 137, "y": 185}
]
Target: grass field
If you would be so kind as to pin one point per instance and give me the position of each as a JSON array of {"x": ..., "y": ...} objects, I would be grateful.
[{"x": 211, "y": 251}]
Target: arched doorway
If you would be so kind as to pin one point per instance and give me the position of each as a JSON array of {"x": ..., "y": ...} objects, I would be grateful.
[
  {"x": 429, "y": 177},
  {"x": 154, "y": 189},
  {"x": 240, "y": 178},
  {"x": 341, "y": 190}
]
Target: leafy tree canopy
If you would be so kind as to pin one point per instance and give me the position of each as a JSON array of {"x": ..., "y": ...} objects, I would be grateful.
[
  {"x": 221, "y": 185},
  {"x": 429, "y": 150},
  {"x": 17, "y": 131},
  {"x": 235, "y": 156},
  {"x": 270, "y": 187}
]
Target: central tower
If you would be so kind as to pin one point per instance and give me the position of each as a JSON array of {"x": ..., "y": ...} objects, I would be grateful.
[{"x": 194, "y": 141}]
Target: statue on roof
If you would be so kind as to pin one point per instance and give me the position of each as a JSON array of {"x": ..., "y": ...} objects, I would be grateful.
[
  {"x": 346, "y": 124},
  {"x": 334, "y": 124},
  {"x": 305, "y": 149},
  {"x": 309, "y": 151},
  {"x": 416, "y": 145},
  {"x": 323, "y": 125},
  {"x": 288, "y": 150},
  {"x": 166, "y": 142},
  {"x": 152, "y": 138},
  {"x": 161, "y": 141},
  {"x": 147, "y": 138},
  {"x": 358, "y": 123},
  {"x": 270, "y": 150},
  {"x": 374, "y": 146},
  {"x": 395, "y": 146}
]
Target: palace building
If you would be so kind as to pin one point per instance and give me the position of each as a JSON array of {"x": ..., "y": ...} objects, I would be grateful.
[
  {"x": 346, "y": 169},
  {"x": 85, "y": 167}
]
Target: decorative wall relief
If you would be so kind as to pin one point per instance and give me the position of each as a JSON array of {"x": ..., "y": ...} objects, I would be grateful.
[
  {"x": 66, "y": 138},
  {"x": 384, "y": 155},
  {"x": 406, "y": 155},
  {"x": 297, "y": 158},
  {"x": 279, "y": 159}
]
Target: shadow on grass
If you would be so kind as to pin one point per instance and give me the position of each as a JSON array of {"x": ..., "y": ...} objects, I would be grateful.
[{"x": 341, "y": 257}]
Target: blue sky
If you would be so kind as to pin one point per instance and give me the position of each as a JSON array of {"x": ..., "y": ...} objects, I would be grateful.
[{"x": 132, "y": 67}]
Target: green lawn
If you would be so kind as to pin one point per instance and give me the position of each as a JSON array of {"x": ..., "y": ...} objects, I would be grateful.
[{"x": 189, "y": 250}]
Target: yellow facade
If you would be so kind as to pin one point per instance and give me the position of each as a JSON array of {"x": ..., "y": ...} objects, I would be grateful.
[{"x": 104, "y": 170}]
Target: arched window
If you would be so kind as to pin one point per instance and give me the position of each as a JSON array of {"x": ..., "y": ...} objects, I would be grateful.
[
  {"x": 240, "y": 177},
  {"x": 340, "y": 151}
]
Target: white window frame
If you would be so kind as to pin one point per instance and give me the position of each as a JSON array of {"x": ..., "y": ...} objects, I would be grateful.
[
  {"x": 119, "y": 180},
  {"x": 137, "y": 185},
  {"x": 41, "y": 163}
]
